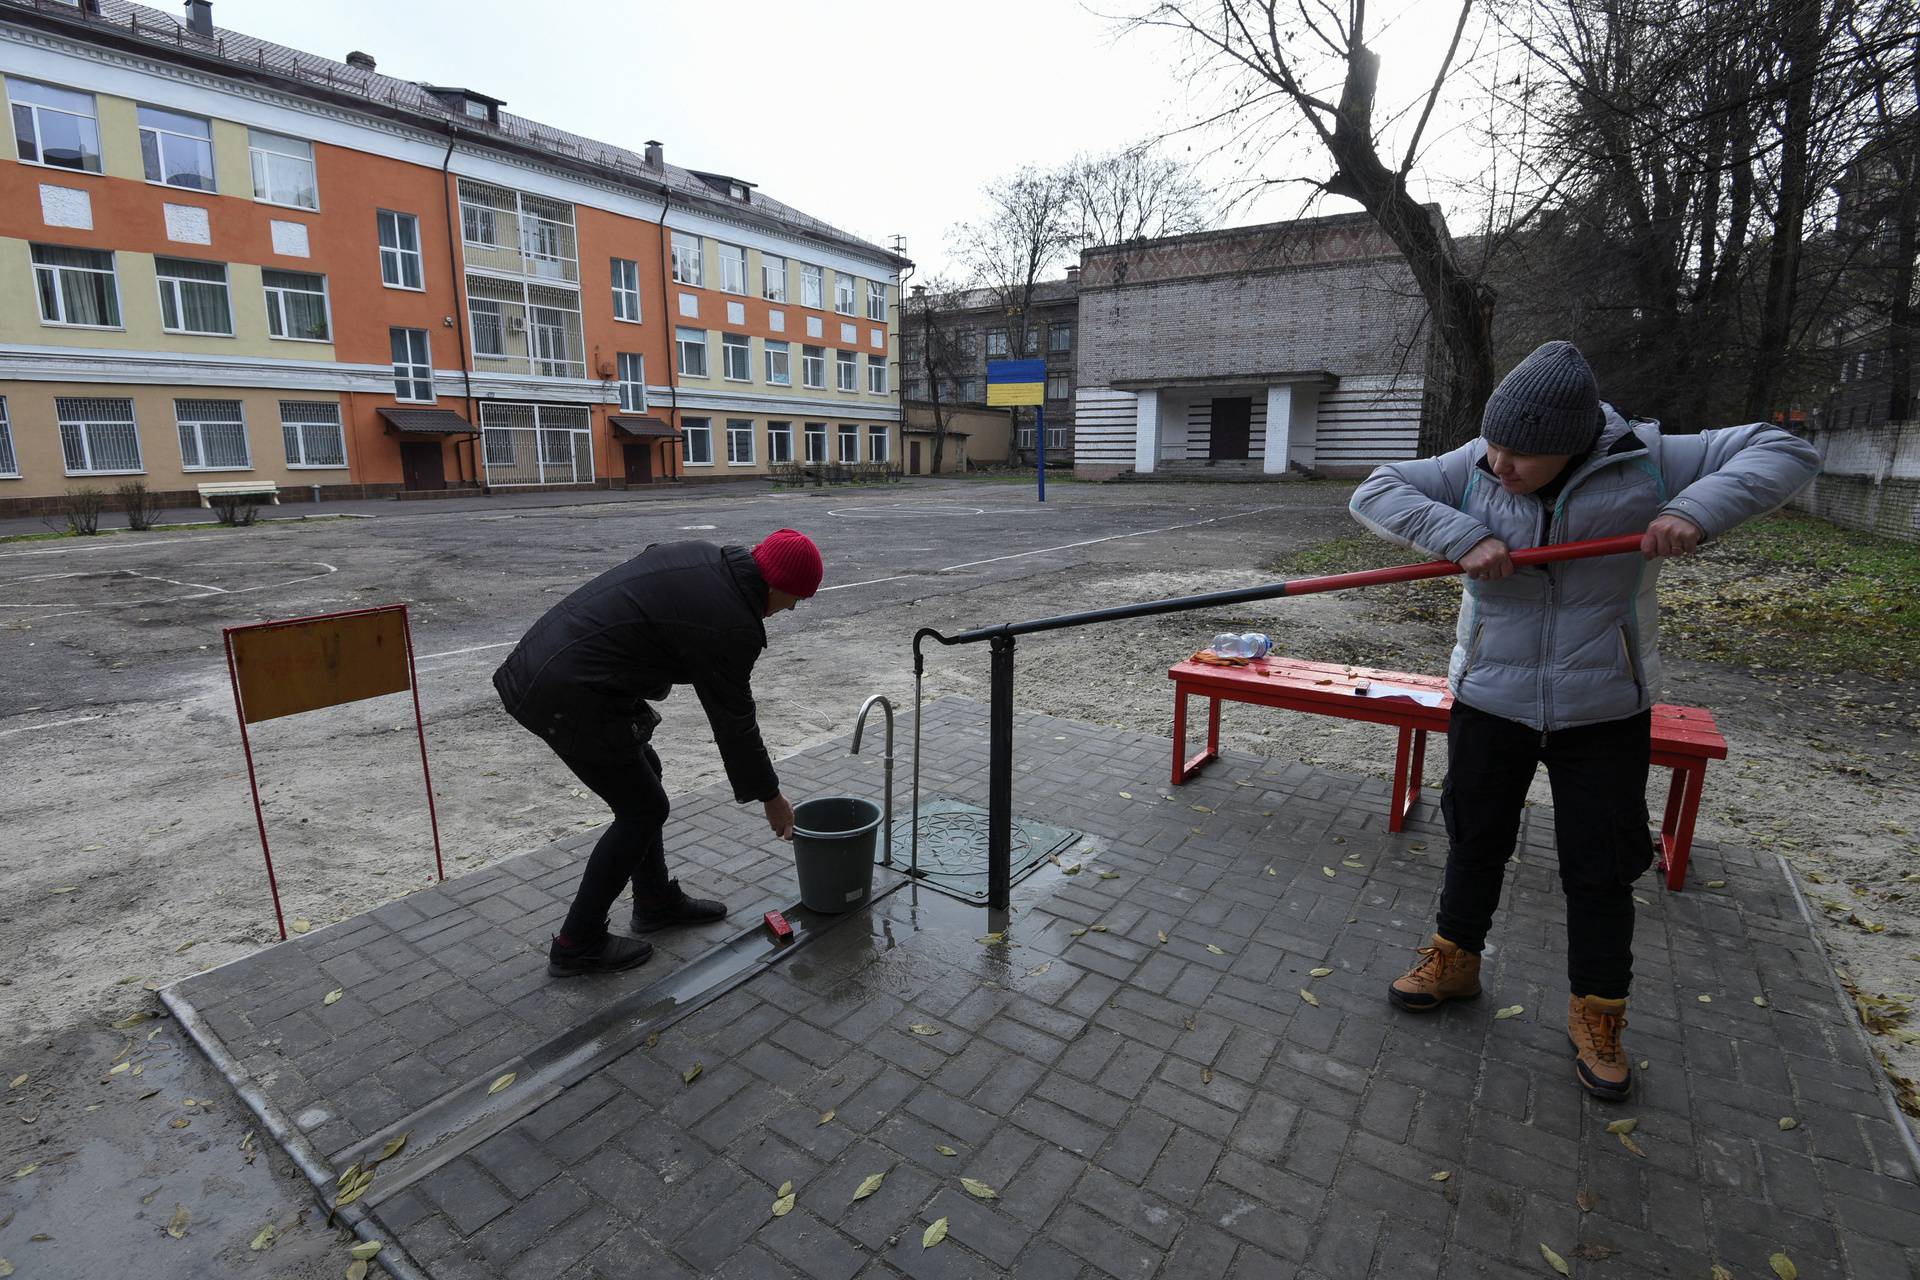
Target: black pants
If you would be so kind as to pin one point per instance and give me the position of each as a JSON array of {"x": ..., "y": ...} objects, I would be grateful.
[
  {"x": 1599, "y": 778},
  {"x": 627, "y": 776}
]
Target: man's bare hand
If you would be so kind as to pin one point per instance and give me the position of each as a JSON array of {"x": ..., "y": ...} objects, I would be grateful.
[
  {"x": 780, "y": 816},
  {"x": 1671, "y": 536},
  {"x": 1487, "y": 561}
]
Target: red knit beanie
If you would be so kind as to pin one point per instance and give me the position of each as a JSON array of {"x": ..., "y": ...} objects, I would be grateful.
[{"x": 790, "y": 562}]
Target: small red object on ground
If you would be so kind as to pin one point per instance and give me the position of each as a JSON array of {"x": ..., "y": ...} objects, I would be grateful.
[{"x": 777, "y": 925}]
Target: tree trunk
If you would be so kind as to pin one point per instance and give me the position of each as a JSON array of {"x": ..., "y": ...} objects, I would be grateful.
[
  {"x": 1900, "y": 280},
  {"x": 1801, "y": 40}
]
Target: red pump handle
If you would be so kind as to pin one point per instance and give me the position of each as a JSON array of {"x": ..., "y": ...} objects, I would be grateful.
[{"x": 1443, "y": 568}]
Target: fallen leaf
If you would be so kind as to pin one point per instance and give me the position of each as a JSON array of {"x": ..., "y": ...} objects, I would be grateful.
[
  {"x": 1163, "y": 936},
  {"x": 1555, "y": 1261},
  {"x": 301, "y": 926},
  {"x": 979, "y": 1190},
  {"x": 934, "y": 1234},
  {"x": 1272, "y": 872},
  {"x": 1788, "y": 1122},
  {"x": 988, "y": 939},
  {"x": 1309, "y": 997},
  {"x": 1215, "y": 950},
  {"x": 178, "y": 1227},
  {"x": 784, "y": 1204},
  {"x": 1644, "y": 1064},
  {"x": 501, "y": 1082},
  {"x": 1328, "y": 871},
  {"x": 6, "y": 1268},
  {"x": 1704, "y": 999},
  {"x": 178, "y": 1124},
  {"x": 1352, "y": 865},
  {"x": 826, "y": 1117},
  {"x": 1511, "y": 1011},
  {"x": 26, "y": 1169},
  {"x": 1591, "y": 1252},
  {"x": 1761, "y": 1001},
  {"x": 946, "y": 1151},
  {"x": 66, "y": 888},
  {"x": 118, "y": 1067},
  {"x": 1622, "y": 1126},
  {"x": 922, "y": 1029},
  {"x": 1441, "y": 1176},
  {"x": 1040, "y": 968},
  {"x": 1126, "y": 795},
  {"x": 1200, "y": 808},
  {"x": 393, "y": 1146},
  {"x": 1585, "y": 1199},
  {"x": 1189, "y": 1021},
  {"x": 1318, "y": 973},
  {"x": 22, "y": 1078},
  {"x": 1206, "y": 1075},
  {"x": 357, "y": 1271},
  {"x": 366, "y": 1249},
  {"x": 1073, "y": 870},
  {"x": 692, "y": 1073},
  {"x": 1076, "y": 933},
  {"x": 1109, "y": 875},
  {"x": 653, "y": 1039},
  {"x": 264, "y": 1240},
  {"x": 133, "y": 1019},
  {"x": 1716, "y": 884},
  {"x": 1783, "y": 1267},
  {"x": 149, "y": 1094},
  {"x": 870, "y": 1185},
  {"x": 334, "y": 995},
  {"x": 1720, "y": 1273},
  {"x": 1642, "y": 901},
  {"x": 1097, "y": 928},
  {"x": 1632, "y": 1146}
]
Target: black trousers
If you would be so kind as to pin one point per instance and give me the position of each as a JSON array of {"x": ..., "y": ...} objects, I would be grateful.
[
  {"x": 1599, "y": 778},
  {"x": 626, "y": 775}
]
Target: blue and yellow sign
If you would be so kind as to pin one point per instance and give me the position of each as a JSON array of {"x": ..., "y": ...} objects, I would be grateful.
[{"x": 1016, "y": 382}]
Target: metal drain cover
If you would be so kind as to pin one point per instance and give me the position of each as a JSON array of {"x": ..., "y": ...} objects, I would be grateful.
[{"x": 953, "y": 847}]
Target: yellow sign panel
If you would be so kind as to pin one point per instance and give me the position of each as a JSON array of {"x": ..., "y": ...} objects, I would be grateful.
[
  {"x": 286, "y": 668},
  {"x": 1009, "y": 393}
]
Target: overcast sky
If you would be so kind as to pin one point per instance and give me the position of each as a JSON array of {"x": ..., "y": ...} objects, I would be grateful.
[{"x": 881, "y": 118}]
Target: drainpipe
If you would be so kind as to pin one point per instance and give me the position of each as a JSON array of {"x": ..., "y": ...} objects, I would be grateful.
[
  {"x": 459, "y": 305},
  {"x": 666, "y": 312},
  {"x": 900, "y": 374}
]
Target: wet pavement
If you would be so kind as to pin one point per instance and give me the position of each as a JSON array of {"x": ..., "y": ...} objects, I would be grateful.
[{"x": 1175, "y": 1060}]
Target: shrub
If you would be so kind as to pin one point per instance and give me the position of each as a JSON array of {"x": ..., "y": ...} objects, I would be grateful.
[
  {"x": 142, "y": 506},
  {"x": 236, "y": 509},
  {"x": 82, "y": 508}
]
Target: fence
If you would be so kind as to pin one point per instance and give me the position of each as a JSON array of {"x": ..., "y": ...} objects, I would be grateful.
[{"x": 1869, "y": 479}]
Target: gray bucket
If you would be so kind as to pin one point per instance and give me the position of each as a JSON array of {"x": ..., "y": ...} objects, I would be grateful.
[{"x": 833, "y": 851}]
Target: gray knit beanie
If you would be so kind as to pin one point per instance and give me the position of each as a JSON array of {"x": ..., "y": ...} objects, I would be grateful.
[{"x": 1547, "y": 404}]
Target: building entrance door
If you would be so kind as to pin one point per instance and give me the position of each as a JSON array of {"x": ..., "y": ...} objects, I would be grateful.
[
  {"x": 913, "y": 458},
  {"x": 639, "y": 464},
  {"x": 1232, "y": 429},
  {"x": 422, "y": 465}
]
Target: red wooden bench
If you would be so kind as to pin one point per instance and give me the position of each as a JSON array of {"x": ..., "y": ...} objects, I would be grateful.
[{"x": 1684, "y": 738}]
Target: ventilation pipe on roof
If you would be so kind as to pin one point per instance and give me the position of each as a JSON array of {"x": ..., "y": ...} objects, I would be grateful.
[
  {"x": 200, "y": 17},
  {"x": 364, "y": 61},
  {"x": 656, "y": 158}
]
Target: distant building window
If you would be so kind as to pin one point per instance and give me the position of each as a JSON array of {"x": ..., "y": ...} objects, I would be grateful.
[
  {"x": 811, "y": 287},
  {"x": 176, "y": 150},
  {"x": 633, "y": 382},
  {"x": 879, "y": 448},
  {"x": 813, "y": 368},
  {"x": 773, "y": 278},
  {"x": 296, "y": 305},
  {"x": 843, "y": 293},
  {"x": 779, "y": 440},
  {"x": 311, "y": 432},
  {"x": 736, "y": 357},
  {"x": 699, "y": 441},
  {"x": 476, "y": 110},
  {"x": 1059, "y": 337},
  {"x": 733, "y": 268},
  {"x": 193, "y": 296},
  {"x": 876, "y": 300},
  {"x": 687, "y": 262},
  {"x": 400, "y": 265},
  {"x": 98, "y": 435},
  {"x": 816, "y": 442},
  {"x": 1059, "y": 386},
  {"x": 692, "y": 346},
  {"x": 76, "y": 286},
  {"x": 626, "y": 289},
  {"x": 1033, "y": 342},
  {"x": 849, "y": 443},
  {"x": 739, "y": 442},
  {"x": 847, "y": 370},
  {"x": 53, "y": 126},
  {"x": 282, "y": 170},
  {"x": 877, "y": 375},
  {"x": 489, "y": 326},
  {"x": 779, "y": 363},
  {"x": 412, "y": 365},
  {"x": 213, "y": 435},
  {"x": 996, "y": 343}
]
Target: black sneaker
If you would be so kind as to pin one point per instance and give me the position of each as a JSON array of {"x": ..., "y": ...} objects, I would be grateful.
[
  {"x": 610, "y": 954},
  {"x": 676, "y": 908}
]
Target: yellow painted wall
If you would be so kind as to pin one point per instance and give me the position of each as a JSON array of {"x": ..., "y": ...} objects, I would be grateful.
[
  {"x": 119, "y": 138},
  {"x": 36, "y": 438},
  {"x": 232, "y": 165}
]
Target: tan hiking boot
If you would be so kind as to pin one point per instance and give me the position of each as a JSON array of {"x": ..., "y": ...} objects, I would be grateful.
[
  {"x": 1444, "y": 972},
  {"x": 1594, "y": 1026}
]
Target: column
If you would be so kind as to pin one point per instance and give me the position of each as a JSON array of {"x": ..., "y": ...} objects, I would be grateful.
[
  {"x": 1273, "y": 459},
  {"x": 1305, "y": 421},
  {"x": 1146, "y": 431}
]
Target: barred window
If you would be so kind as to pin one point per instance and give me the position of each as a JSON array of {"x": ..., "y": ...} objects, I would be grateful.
[
  {"x": 98, "y": 435},
  {"x": 9, "y": 462},
  {"x": 311, "y": 429},
  {"x": 213, "y": 435}
]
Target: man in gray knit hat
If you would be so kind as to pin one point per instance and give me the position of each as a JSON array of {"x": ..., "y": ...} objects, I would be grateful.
[{"x": 1560, "y": 664}]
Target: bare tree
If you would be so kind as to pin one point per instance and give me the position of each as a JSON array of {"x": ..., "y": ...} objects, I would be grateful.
[
  {"x": 940, "y": 351},
  {"x": 1279, "y": 50},
  {"x": 1135, "y": 194}
]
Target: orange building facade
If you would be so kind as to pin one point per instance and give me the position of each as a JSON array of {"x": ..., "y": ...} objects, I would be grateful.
[{"x": 228, "y": 266}]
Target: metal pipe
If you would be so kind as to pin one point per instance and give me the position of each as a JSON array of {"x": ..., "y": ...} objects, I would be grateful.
[
  {"x": 1000, "y": 776},
  {"x": 859, "y": 724},
  {"x": 913, "y": 837}
]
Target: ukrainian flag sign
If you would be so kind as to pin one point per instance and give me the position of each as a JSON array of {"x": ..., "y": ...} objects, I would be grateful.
[{"x": 1011, "y": 382}]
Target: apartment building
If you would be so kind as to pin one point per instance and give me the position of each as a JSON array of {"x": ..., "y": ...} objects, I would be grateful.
[
  {"x": 974, "y": 326},
  {"x": 225, "y": 260}
]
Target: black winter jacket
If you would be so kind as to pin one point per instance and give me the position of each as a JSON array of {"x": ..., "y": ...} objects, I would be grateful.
[{"x": 677, "y": 613}]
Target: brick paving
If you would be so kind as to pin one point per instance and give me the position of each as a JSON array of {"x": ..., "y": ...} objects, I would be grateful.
[{"x": 1142, "y": 1108}]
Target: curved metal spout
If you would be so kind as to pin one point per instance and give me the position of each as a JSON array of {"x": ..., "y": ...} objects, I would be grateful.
[{"x": 859, "y": 726}]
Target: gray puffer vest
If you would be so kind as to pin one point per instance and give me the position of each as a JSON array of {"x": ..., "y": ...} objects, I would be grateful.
[{"x": 1578, "y": 642}]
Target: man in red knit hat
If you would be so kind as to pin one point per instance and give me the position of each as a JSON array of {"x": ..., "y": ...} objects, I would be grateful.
[{"x": 582, "y": 678}]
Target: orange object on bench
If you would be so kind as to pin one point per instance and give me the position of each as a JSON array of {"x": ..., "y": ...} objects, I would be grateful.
[{"x": 1684, "y": 738}]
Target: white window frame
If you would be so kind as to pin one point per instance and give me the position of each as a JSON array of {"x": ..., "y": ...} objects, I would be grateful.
[
  {"x": 884, "y": 439},
  {"x": 300, "y": 434},
  {"x": 686, "y": 340},
  {"x": 1066, "y": 386},
  {"x": 816, "y": 432},
  {"x": 846, "y": 370},
  {"x": 34, "y": 109},
  {"x": 779, "y": 374},
  {"x": 998, "y": 344},
  {"x": 733, "y": 269},
  {"x": 812, "y": 286},
  {"x": 848, "y": 431},
  {"x": 84, "y": 423},
  {"x": 9, "y": 458},
  {"x": 876, "y": 375},
  {"x": 843, "y": 293},
  {"x": 170, "y": 289},
  {"x": 161, "y": 133},
  {"x": 112, "y": 272},
  {"x": 813, "y": 367},
  {"x": 415, "y": 369},
  {"x": 773, "y": 277},
  {"x": 276, "y": 305},
  {"x": 692, "y": 429},
  {"x": 876, "y": 300},
  {"x": 624, "y": 275},
  {"x": 738, "y": 429},
  {"x": 197, "y": 423},
  {"x": 1059, "y": 338},
  {"x": 779, "y": 439},
  {"x": 633, "y": 390},
  {"x": 496, "y": 310},
  {"x": 736, "y": 348},
  {"x": 257, "y": 155},
  {"x": 688, "y": 252},
  {"x": 398, "y": 256}
]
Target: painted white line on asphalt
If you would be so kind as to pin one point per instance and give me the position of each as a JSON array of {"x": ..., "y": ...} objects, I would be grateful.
[
  {"x": 1112, "y": 537},
  {"x": 105, "y": 544},
  {"x": 472, "y": 648},
  {"x": 848, "y": 586},
  {"x": 51, "y": 724}
]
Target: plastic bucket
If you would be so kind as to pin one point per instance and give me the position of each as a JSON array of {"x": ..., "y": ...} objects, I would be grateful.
[{"x": 833, "y": 851}]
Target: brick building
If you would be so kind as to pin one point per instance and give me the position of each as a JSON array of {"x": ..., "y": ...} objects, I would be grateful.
[
  {"x": 977, "y": 320},
  {"x": 1295, "y": 344},
  {"x": 228, "y": 262}
]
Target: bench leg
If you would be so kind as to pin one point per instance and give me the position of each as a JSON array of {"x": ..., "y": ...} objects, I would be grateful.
[
  {"x": 1409, "y": 764},
  {"x": 1676, "y": 829},
  {"x": 1183, "y": 768}
]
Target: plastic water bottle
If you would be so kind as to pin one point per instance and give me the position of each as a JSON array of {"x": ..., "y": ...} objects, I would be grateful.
[
  {"x": 1227, "y": 645},
  {"x": 1255, "y": 644}
]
